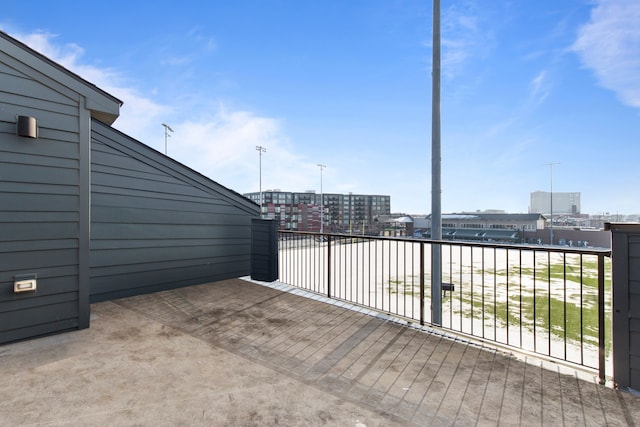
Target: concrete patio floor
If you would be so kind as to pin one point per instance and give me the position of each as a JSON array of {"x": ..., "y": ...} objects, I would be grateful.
[{"x": 239, "y": 353}]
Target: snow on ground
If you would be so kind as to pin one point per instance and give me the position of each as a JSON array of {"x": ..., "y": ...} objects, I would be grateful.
[{"x": 495, "y": 289}]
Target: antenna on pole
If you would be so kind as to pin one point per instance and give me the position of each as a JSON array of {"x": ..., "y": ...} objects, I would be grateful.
[
  {"x": 261, "y": 150},
  {"x": 167, "y": 129},
  {"x": 321, "y": 200},
  {"x": 551, "y": 200}
]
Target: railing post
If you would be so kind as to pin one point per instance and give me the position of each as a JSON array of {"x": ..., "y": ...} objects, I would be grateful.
[
  {"x": 422, "y": 283},
  {"x": 328, "y": 266},
  {"x": 601, "y": 322}
]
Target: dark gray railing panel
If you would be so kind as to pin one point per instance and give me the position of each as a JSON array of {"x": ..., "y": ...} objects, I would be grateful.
[
  {"x": 626, "y": 304},
  {"x": 264, "y": 250},
  {"x": 542, "y": 300}
]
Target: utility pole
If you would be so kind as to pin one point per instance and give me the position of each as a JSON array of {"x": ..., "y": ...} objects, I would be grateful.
[
  {"x": 436, "y": 186},
  {"x": 551, "y": 201},
  {"x": 167, "y": 129},
  {"x": 261, "y": 150},
  {"x": 321, "y": 200}
]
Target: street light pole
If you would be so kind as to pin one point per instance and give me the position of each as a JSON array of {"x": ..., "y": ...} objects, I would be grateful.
[
  {"x": 261, "y": 150},
  {"x": 551, "y": 201},
  {"x": 436, "y": 186},
  {"x": 321, "y": 200},
  {"x": 167, "y": 129}
]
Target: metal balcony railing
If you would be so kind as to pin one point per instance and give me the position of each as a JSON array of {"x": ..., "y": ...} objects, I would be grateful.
[{"x": 550, "y": 301}]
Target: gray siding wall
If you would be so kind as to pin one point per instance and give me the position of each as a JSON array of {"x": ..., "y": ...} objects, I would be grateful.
[
  {"x": 625, "y": 252},
  {"x": 156, "y": 224},
  {"x": 634, "y": 310},
  {"x": 42, "y": 208}
]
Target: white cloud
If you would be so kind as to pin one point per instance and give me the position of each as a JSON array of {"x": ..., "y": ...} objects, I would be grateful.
[
  {"x": 219, "y": 144},
  {"x": 539, "y": 89},
  {"x": 609, "y": 44},
  {"x": 138, "y": 111},
  {"x": 207, "y": 42},
  {"x": 222, "y": 145},
  {"x": 69, "y": 56},
  {"x": 197, "y": 44},
  {"x": 462, "y": 38}
]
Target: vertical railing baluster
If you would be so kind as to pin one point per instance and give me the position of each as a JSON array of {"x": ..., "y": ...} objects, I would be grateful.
[
  {"x": 564, "y": 298},
  {"x": 413, "y": 289},
  {"x": 375, "y": 278},
  {"x": 290, "y": 257},
  {"x": 357, "y": 247},
  {"x": 482, "y": 277},
  {"x": 397, "y": 276},
  {"x": 495, "y": 294},
  {"x": 471, "y": 285},
  {"x": 549, "y": 304},
  {"x": 601, "y": 321},
  {"x": 535, "y": 278},
  {"x": 366, "y": 273},
  {"x": 329, "y": 266},
  {"x": 451, "y": 280},
  {"x": 422, "y": 272},
  {"x": 361, "y": 284},
  {"x": 299, "y": 261},
  {"x": 461, "y": 287},
  {"x": 507, "y": 292},
  {"x": 310, "y": 267},
  {"x": 520, "y": 307},
  {"x": 581, "y": 310},
  {"x": 339, "y": 285},
  {"x": 389, "y": 260},
  {"x": 404, "y": 286}
]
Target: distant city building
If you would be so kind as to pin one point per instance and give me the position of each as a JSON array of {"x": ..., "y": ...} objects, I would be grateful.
[
  {"x": 483, "y": 226},
  {"x": 563, "y": 203},
  {"x": 343, "y": 213},
  {"x": 510, "y": 228}
]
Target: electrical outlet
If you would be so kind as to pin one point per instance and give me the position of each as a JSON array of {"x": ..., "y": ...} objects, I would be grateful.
[{"x": 24, "y": 285}]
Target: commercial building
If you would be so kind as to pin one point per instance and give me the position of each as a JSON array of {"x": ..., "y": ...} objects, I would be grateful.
[
  {"x": 563, "y": 203},
  {"x": 509, "y": 228},
  {"x": 343, "y": 213},
  {"x": 484, "y": 227}
]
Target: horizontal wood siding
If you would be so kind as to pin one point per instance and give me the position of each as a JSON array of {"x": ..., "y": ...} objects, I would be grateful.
[
  {"x": 39, "y": 197},
  {"x": 634, "y": 311},
  {"x": 156, "y": 224}
]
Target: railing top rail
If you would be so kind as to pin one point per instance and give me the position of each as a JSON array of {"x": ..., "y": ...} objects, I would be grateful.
[{"x": 541, "y": 248}]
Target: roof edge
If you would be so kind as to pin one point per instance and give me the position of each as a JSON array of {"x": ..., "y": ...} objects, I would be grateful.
[{"x": 100, "y": 103}]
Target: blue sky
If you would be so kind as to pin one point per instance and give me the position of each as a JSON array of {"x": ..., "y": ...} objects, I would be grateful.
[{"x": 348, "y": 84}]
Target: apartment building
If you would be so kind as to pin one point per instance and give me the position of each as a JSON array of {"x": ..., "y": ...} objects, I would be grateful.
[{"x": 343, "y": 213}]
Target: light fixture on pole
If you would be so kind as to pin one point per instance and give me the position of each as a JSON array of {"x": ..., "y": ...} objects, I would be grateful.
[
  {"x": 551, "y": 201},
  {"x": 321, "y": 200},
  {"x": 167, "y": 129},
  {"x": 261, "y": 150}
]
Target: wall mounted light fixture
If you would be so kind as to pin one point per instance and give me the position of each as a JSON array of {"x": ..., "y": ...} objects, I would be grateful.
[
  {"x": 25, "y": 282},
  {"x": 27, "y": 127}
]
